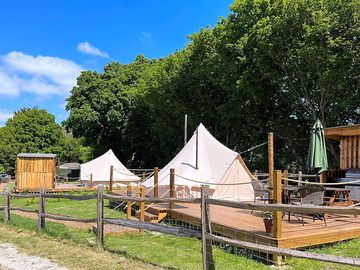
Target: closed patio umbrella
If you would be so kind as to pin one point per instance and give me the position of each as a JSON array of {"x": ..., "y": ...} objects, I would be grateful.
[{"x": 317, "y": 157}]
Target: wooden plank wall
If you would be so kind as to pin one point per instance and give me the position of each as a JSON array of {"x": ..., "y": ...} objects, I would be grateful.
[
  {"x": 35, "y": 173},
  {"x": 349, "y": 152}
]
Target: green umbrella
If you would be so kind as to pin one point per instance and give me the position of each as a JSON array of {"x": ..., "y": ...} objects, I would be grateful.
[{"x": 317, "y": 158}]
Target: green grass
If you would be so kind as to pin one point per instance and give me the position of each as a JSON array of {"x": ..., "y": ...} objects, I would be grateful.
[
  {"x": 349, "y": 248},
  {"x": 156, "y": 249},
  {"x": 81, "y": 209}
]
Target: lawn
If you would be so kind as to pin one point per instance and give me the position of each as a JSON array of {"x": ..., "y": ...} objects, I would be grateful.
[
  {"x": 81, "y": 209},
  {"x": 148, "y": 248},
  {"x": 153, "y": 248}
]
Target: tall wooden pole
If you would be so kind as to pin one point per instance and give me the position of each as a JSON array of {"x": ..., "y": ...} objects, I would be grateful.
[
  {"x": 111, "y": 177},
  {"x": 91, "y": 180},
  {"x": 142, "y": 206},
  {"x": 271, "y": 162},
  {"x": 185, "y": 130},
  {"x": 207, "y": 254},
  {"x": 277, "y": 227},
  {"x": 197, "y": 149},
  {"x": 172, "y": 187},
  {"x": 58, "y": 171},
  {"x": 100, "y": 217},
  {"x": 129, "y": 205},
  {"x": 7, "y": 205},
  {"x": 156, "y": 182},
  {"x": 41, "y": 219}
]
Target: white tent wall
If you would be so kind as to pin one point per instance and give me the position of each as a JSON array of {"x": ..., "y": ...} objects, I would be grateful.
[
  {"x": 100, "y": 170},
  {"x": 216, "y": 164},
  {"x": 236, "y": 173}
]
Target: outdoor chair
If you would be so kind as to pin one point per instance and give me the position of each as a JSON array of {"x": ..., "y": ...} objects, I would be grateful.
[
  {"x": 311, "y": 195},
  {"x": 261, "y": 192}
]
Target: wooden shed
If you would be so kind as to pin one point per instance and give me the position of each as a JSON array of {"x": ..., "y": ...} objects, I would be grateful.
[
  {"x": 35, "y": 171},
  {"x": 349, "y": 138}
]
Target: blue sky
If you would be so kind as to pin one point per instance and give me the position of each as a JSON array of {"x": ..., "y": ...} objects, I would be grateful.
[{"x": 45, "y": 44}]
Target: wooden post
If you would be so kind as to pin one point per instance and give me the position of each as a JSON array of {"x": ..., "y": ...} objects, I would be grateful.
[
  {"x": 207, "y": 255},
  {"x": 185, "y": 130},
  {"x": 271, "y": 162},
  {"x": 58, "y": 171},
  {"x": 156, "y": 182},
  {"x": 41, "y": 218},
  {"x": 111, "y": 177},
  {"x": 100, "y": 217},
  {"x": 172, "y": 187},
  {"x": 286, "y": 182},
  {"x": 7, "y": 205},
  {"x": 129, "y": 206},
  {"x": 91, "y": 181},
  {"x": 142, "y": 206},
  {"x": 300, "y": 177},
  {"x": 277, "y": 227}
]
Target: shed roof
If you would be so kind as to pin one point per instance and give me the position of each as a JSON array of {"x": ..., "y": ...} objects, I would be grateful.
[
  {"x": 71, "y": 166},
  {"x": 342, "y": 131},
  {"x": 36, "y": 155}
]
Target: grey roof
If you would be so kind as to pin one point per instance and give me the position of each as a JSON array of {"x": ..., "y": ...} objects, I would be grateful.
[
  {"x": 72, "y": 166},
  {"x": 36, "y": 155}
]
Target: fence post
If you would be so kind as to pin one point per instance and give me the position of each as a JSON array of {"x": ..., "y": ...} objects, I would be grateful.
[
  {"x": 41, "y": 218},
  {"x": 207, "y": 255},
  {"x": 172, "y": 187},
  {"x": 111, "y": 177},
  {"x": 286, "y": 182},
  {"x": 7, "y": 205},
  {"x": 100, "y": 217},
  {"x": 129, "y": 206},
  {"x": 142, "y": 206},
  {"x": 277, "y": 228},
  {"x": 156, "y": 182},
  {"x": 271, "y": 163},
  {"x": 300, "y": 177},
  {"x": 91, "y": 181}
]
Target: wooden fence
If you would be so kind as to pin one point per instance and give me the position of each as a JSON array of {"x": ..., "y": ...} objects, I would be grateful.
[{"x": 206, "y": 235}]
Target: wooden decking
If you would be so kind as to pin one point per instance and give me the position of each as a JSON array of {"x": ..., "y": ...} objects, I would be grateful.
[{"x": 244, "y": 225}]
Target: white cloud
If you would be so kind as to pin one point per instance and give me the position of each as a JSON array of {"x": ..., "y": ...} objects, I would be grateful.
[
  {"x": 145, "y": 37},
  {"x": 87, "y": 48},
  {"x": 40, "y": 75},
  {"x": 4, "y": 115}
]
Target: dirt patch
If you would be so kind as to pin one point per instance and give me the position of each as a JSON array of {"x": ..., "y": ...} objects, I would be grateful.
[{"x": 11, "y": 259}]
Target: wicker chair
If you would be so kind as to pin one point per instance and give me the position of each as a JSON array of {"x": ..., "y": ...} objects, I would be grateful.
[{"x": 311, "y": 195}]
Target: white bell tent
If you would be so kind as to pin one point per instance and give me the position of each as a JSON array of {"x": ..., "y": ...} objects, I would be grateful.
[
  {"x": 100, "y": 170},
  {"x": 204, "y": 160}
]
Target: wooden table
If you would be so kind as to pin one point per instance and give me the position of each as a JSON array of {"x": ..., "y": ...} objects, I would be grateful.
[{"x": 334, "y": 198}]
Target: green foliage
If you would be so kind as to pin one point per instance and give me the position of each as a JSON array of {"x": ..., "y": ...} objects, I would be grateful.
[
  {"x": 34, "y": 130},
  {"x": 269, "y": 66}
]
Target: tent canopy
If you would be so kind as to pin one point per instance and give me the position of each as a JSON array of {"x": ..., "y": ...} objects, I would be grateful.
[
  {"x": 100, "y": 170},
  {"x": 218, "y": 166}
]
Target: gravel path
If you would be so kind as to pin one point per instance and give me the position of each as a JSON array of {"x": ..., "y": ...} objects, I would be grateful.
[{"x": 11, "y": 259}]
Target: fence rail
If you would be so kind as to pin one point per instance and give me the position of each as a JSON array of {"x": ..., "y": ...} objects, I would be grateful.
[{"x": 206, "y": 234}]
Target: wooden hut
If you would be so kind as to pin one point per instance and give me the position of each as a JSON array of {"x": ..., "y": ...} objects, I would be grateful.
[
  {"x": 35, "y": 171},
  {"x": 349, "y": 138}
]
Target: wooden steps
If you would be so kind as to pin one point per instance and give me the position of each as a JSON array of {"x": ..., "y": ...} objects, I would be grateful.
[{"x": 154, "y": 214}]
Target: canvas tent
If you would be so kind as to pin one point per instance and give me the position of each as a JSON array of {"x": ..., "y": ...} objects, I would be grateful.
[
  {"x": 217, "y": 164},
  {"x": 100, "y": 170}
]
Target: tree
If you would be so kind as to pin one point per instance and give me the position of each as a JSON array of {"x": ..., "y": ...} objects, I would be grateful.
[
  {"x": 268, "y": 66},
  {"x": 33, "y": 130}
]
